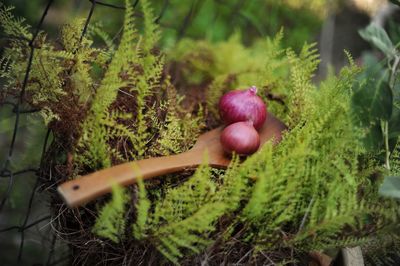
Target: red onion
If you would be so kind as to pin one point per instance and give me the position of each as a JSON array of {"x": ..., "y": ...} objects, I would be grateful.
[
  {"x": 241, "y": 138},
  {"x": 243, "y": 105}
]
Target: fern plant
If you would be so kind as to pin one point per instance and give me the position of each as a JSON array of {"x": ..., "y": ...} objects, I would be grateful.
[
  {"x": 302, "y": 194},
  {"x": 111, "y": 221}
]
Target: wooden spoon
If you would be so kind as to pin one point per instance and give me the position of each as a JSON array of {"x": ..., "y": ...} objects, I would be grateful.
[{"x": 89, "y": 187}]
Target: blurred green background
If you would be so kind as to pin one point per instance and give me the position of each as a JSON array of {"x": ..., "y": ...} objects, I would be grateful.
[{"x": 213, "y": 20}]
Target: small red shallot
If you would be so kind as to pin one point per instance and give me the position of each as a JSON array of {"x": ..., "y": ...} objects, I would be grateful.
[
  {"x": 243, "y": 105},
  {"x": 241, "y": 138}
]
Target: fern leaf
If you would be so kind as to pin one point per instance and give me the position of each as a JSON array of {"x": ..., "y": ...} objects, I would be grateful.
[
  {"x": 190, "y": 233},
  {"x": 14, "y": 27},
  {"x": 142, "y": 209},
  {"x": 111, "y": 221}
]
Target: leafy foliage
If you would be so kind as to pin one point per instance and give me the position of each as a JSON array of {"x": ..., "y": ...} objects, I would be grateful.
[
  {"x": 255, "y": 19},
  {"x": 377, "y": 253},
  {"x": 379, "y": 38},
  {"x": 111, "y": 221},
  {"x": 377, "y": 103},
  {"x": 14, "y": 27},
  {"x": 305, "y": 193},
  {"x": 180, "y": 129},
  {"x": 317, "y": 193},
  {"x": 396, "y": 2},
  {"x": 184, "y": 234},
  {"x": 182, "y": 221},
  {"x": 142, "y": 207},
  {"x": 301, "y": 74},
  {"x": 95, "y": 135}
]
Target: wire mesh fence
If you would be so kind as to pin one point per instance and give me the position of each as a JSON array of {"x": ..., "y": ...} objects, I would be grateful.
[
  {"x": 6, "y": 173},
  {"x": 18, "y": 233}
]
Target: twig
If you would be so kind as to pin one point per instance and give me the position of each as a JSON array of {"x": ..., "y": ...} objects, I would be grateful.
[
  {"x": 385, "y": 124},
  {"x": 303, "y": 221},
  {"x": 107, "y": 4}
]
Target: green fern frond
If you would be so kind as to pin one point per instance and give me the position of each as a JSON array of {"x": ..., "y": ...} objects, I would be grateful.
[
  {"x": 105, "y": 96},
  {"x": 302, "y": 69},
  {"x": 216, "y": 89},
  {"x": 71, "y": 34},
  {"x": 180, "y": 129},
  {"x": 139, "y": 228},
  {"x": 111, "y": 221},
  {"x": 125, "y": 53},
  {"x": 190, "y": 233},
  {"x": 48, "y": 115},
  {"x": 182, "y": 220},
  {"x": 316, "y": 194},
  {"x": 151, "y": 29},
  {"x": 5, "y": 66},
  {"x": 12, "y": 26},
  {"x": 95, "y": 29},
  {"x": 82, "y": 51},
  {"x": 93, "y": 148},
  {"x": 232, "y": 188},
  {"x": 183, "y": 201}
]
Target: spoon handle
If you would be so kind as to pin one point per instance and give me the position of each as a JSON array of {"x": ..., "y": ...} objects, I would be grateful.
[{"x": 81, "y": 190}]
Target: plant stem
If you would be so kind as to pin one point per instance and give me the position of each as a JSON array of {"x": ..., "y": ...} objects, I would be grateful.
[
  {"x": 392, "y": 78},
  {"x": 303, "y": 221},
  {"x": 385, "y": 124},
  {"x": 385, "y": 127}
]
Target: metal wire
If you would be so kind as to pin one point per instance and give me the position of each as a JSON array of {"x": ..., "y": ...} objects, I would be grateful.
[
  {"x": 6, "y": 172},
  {"x": 5, "y": 169}
]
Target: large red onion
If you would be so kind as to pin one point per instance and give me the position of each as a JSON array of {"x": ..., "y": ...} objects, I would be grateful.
[
  {"x": 243, "y": 105},
  {"x": 241, "y": 138}
]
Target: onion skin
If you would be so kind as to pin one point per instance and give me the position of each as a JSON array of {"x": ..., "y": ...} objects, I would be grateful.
[
  {"x": 243, "y": 105},
  {"x": 241, "y": 138}
]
